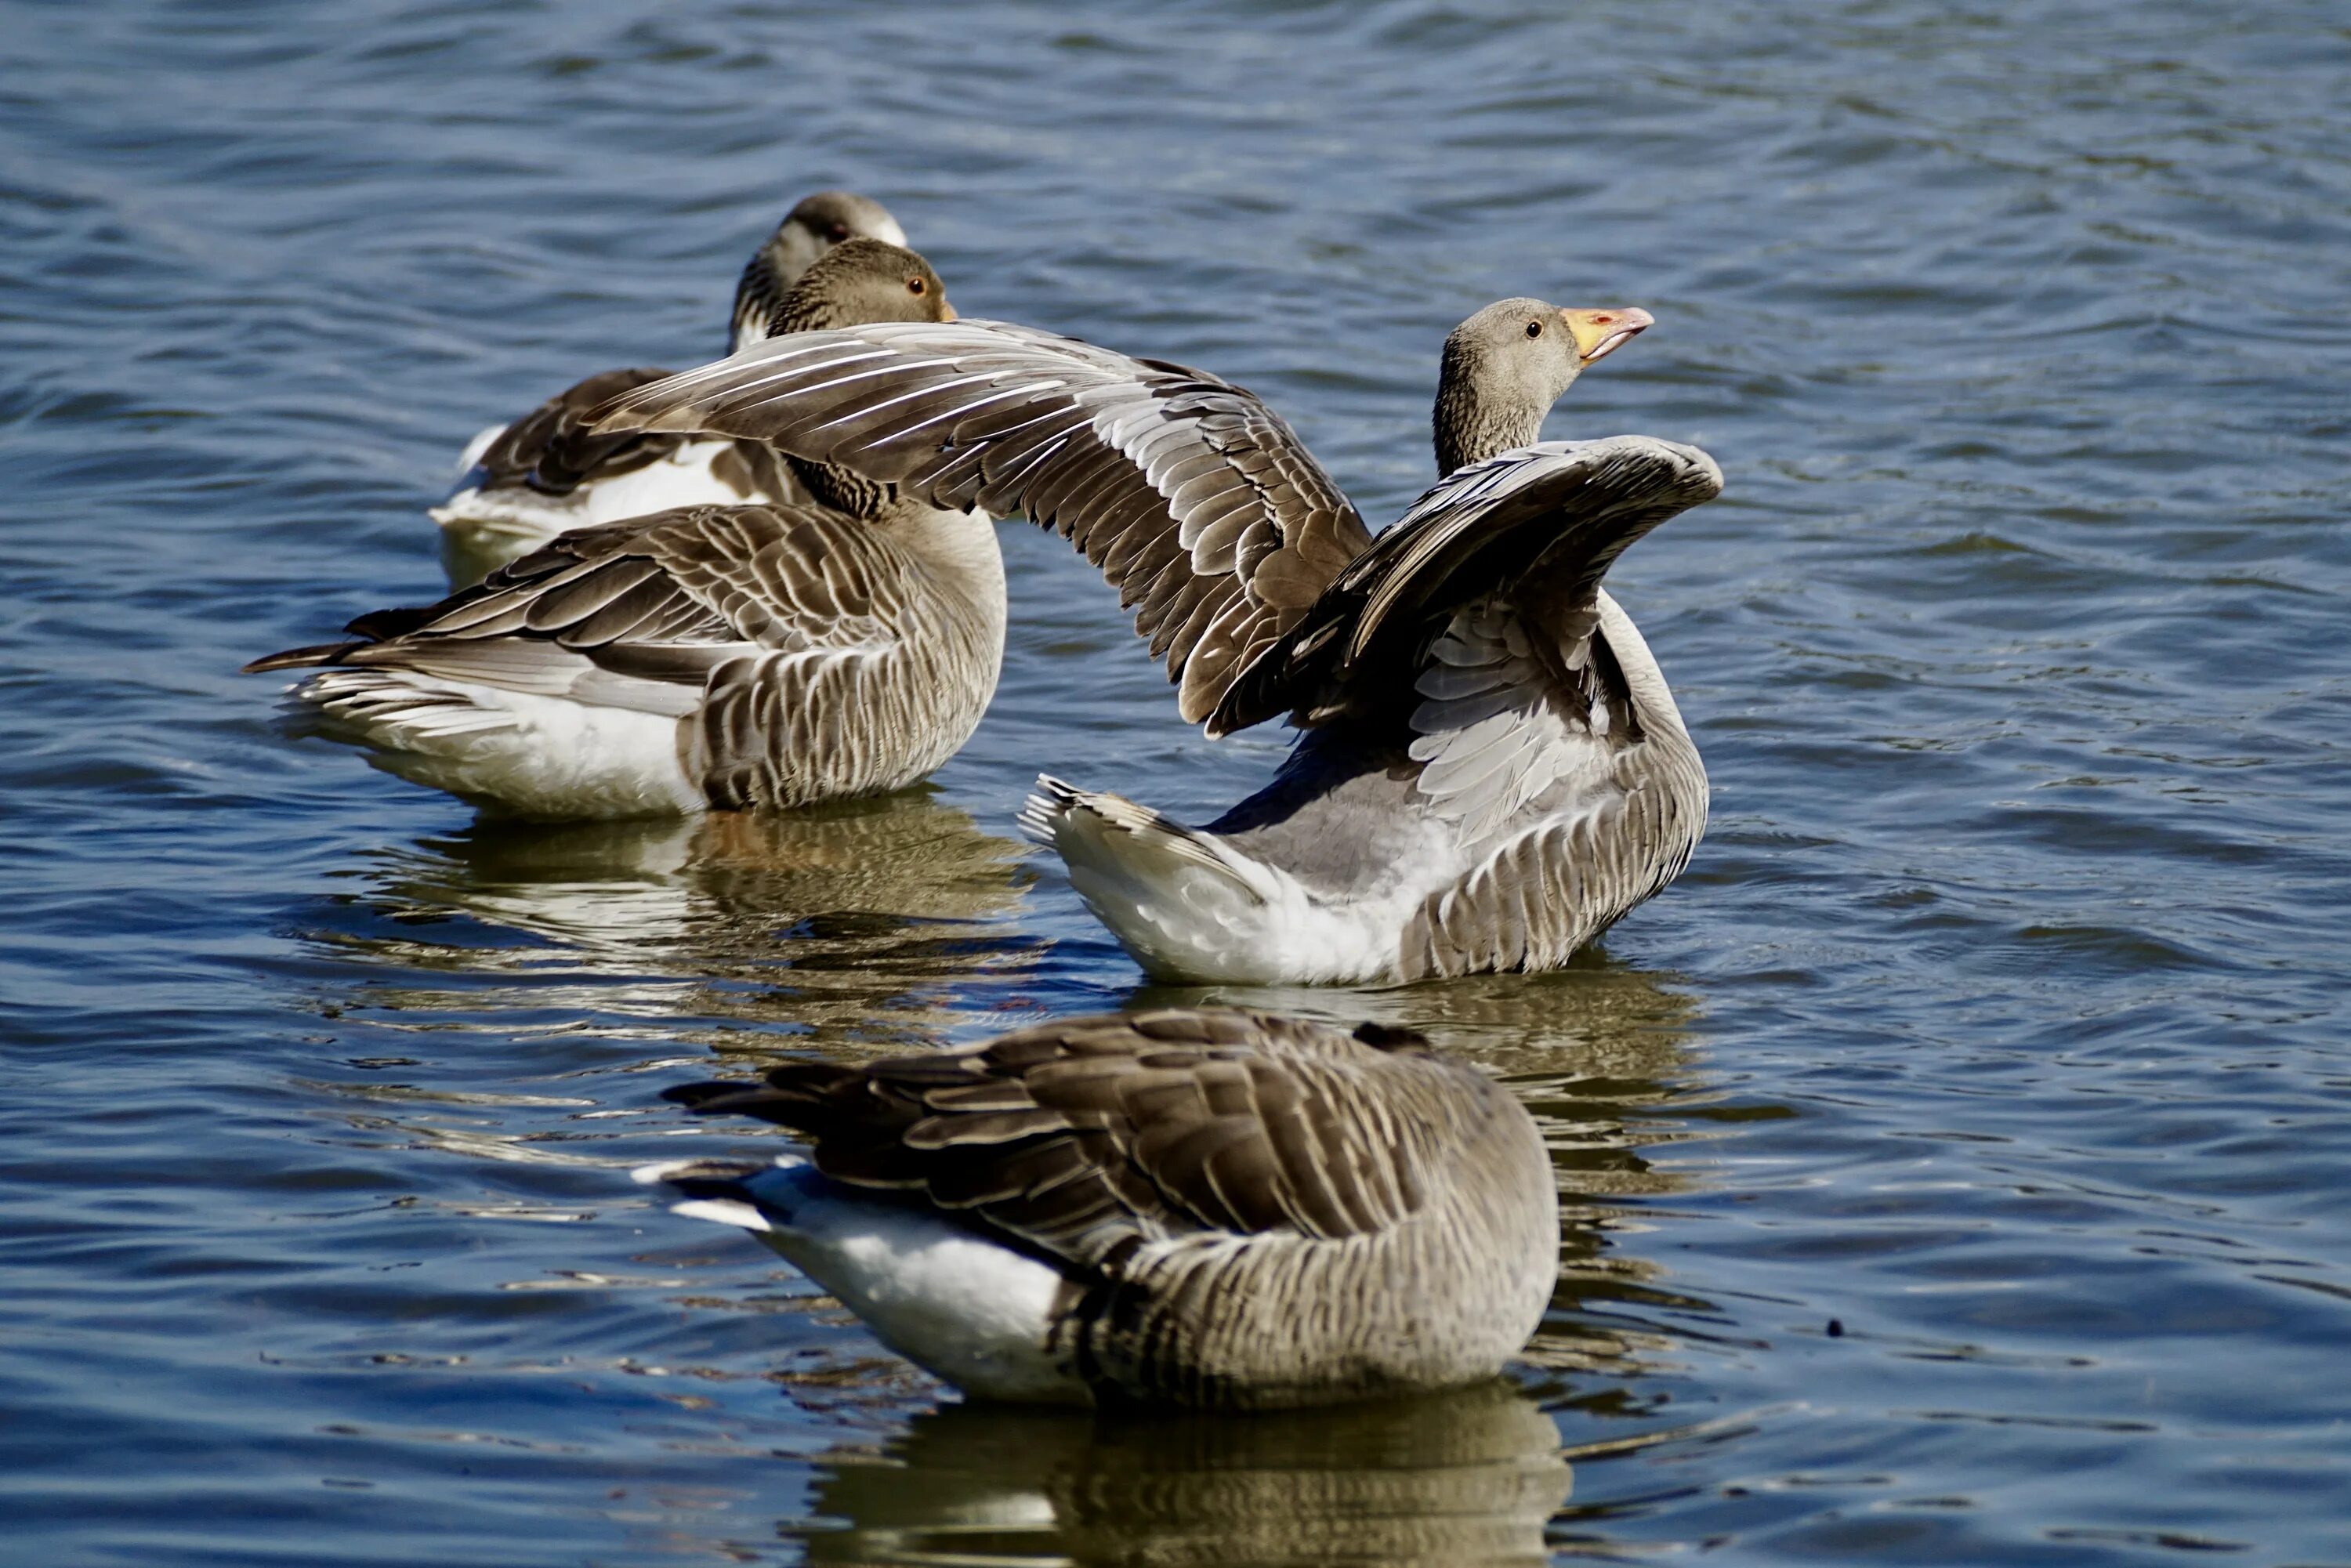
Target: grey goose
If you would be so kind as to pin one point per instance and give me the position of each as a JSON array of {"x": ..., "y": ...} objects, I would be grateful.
[
  {"x": 773, "y": 654},
  {"x": 1491, "y": 768},
  {"x": 529, "y": 480},
  {"x": 1193, "y": 1208}
]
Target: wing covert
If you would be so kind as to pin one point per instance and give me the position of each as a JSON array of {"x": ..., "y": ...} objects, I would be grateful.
[
  {"x": 1088, "y": 1137},
  {"x": 1535, "y": 528}
]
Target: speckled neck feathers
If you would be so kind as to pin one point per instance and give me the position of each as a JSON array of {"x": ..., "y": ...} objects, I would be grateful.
[{"x": 1479, "y": 413}]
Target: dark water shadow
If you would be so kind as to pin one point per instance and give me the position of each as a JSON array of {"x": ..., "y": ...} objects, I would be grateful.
[
  {"x": 877, "y": 922},
  {"x": 1469, "y": 1478}
]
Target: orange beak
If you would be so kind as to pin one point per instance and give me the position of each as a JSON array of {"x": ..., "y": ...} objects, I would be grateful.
[
  {"x": 946, "y": 311},
  {"x": 1599, "y": 333}
]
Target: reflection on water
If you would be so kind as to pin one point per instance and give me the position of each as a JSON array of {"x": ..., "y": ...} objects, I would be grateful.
[
  {"x": 1462, "y": 1478},
  {"x": 874, "y": 921}
]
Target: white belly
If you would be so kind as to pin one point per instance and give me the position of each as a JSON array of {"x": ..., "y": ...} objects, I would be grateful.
[
  {"x": 947, "y": 1298},
  {"x": 536, "y": 756}
]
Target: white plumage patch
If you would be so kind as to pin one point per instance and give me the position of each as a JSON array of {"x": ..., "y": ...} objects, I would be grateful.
[
  {"x": 1189, "y": 906},
  {"x": 538, "y": 755},
  {"x": 945, "y": 1296},
  {"x": 517, "y": 516}
]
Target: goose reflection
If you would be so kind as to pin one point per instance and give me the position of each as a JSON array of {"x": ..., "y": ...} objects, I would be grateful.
[
  {"x": 882, "y": 921},
  {"x": 1468, "y": 1478}
]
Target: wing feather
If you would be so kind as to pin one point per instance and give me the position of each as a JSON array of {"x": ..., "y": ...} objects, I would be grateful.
[
  {"x": 1086, "y": 1137},
  {"x": 1148, "y": 468},
  {"x": 1534, "y": 531}
]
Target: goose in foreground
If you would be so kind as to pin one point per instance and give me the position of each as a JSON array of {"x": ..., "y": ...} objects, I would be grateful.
[
  {"x": 1194, "y": 1206},
  {"x": 530, "y": 480},
  {"x": 1491, "y": 768},
  {"x": 777, "y": 654}
]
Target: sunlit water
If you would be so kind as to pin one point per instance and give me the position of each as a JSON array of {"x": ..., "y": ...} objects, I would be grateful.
[{"x": 1999, "y": 1023}]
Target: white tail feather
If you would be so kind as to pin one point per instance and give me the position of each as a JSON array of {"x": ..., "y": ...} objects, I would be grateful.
[{"x": 1183, "y": 902}]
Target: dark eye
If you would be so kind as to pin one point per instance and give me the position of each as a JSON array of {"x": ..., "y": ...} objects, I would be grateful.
[
  {"x": 916, "y": 285},
  {"x": 1534, "y": 329},
  {"x": 836, "y": 232}
]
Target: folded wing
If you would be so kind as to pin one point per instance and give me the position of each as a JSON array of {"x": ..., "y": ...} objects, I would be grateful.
[{"x": 1087, "y": 1138}]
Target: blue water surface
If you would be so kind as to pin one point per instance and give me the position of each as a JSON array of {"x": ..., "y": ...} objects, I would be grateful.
[{"x": 1957, "y": 1161}]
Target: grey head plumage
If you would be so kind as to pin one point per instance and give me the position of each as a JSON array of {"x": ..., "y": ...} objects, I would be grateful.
[
  {"x": 856, "y": 283},
  {"x": 860, "y": 281},
  {"x": 1504, "y": 367},
  {"x": 810, "y": 229}
]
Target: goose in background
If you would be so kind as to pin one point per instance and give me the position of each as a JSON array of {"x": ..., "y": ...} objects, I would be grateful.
[
  {"x": 1194, "y": 1207},
  {"x": 526, "y": 481},
  {"x": 776, "y": 655},
  {"x": 1491, "y": 767}
]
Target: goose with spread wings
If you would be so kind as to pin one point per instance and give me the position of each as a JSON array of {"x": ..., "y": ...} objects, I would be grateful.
[
  {"x": 529, "y": 480},
  {"x": 1490, "y": 769},
  {"x": 1193, "y": 1206}
]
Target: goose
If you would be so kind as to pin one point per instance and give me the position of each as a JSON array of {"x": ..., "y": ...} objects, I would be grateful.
[
  {"x": 774, "y": 654},
  {"x": 529, "y": 480},
  {"x": 1197, "y": 1207},
  {"x": 1490, "y": 767}
]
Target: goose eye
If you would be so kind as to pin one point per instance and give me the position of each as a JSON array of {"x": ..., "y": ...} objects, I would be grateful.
[
  {"x": 916, "y": 285},
  {"x": 836, "y": 232},
  {"x": 1534, "y": 329}
]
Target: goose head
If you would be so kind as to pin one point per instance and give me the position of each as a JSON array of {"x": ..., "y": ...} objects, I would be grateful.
[
  {"x": 858, "y": 281},
  {"x": 1505, "y": 366},
  {"x": 820, "y": 223}
]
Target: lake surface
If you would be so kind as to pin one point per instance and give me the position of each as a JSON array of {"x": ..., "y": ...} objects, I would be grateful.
[{"x": 1957, "y": 1160}]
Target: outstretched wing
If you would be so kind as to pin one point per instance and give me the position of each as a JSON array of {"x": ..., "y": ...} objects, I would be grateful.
[
  {"x": 1089, "y": 1137},
  {"x": 1474, "y": 634},
  {"x": 1535, "y": 529},
  {"x": 1198, "y": 504}
]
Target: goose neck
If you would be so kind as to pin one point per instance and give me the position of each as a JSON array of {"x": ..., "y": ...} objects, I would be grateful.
[{"x": 1479, "y": 415}]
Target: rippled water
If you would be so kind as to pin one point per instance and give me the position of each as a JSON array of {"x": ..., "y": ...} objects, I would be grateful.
[{"x": 1998, "y": 1025}]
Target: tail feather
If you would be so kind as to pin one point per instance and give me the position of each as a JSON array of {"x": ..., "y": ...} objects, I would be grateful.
[
  {"x": 304, "y": 658},
  {"x": 394, "y": 708},
  {"x": 741, "y": 1193},
  {"x": 1183, "y": 901}
]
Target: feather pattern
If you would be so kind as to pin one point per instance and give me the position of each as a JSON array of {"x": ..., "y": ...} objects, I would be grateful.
[
  {"x": 1248, "y": 1209},
  {"x": 1197, "y": 502},
  {"x": 805, "y": 655},
  {"x": 1494, "y": 770}
]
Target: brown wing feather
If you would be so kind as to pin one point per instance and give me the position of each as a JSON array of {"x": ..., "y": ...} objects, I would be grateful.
[
  {"x": 1196, "y": 501},
  {"x": 1539, "y": 527},
  {"x": 1085, "y": 1137},
  {"x": 666, "y": 598},
  {"x": 551, "y": 449}
]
